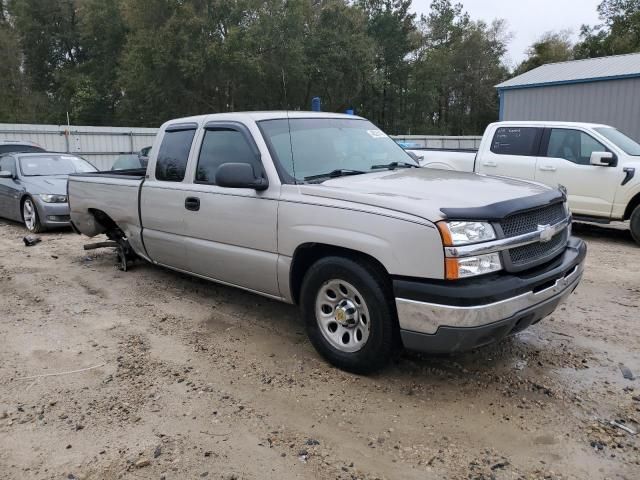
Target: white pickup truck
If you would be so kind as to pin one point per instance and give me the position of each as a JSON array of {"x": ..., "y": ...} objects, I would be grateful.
[
  {"x": 327, "y": 212},
  {"x": 597, "y": 164}
]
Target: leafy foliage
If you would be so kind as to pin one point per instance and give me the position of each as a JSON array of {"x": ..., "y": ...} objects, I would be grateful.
[
  {"x": 619, "y": 34},
  {"x": 141, "y": 62},
  {"x": 550, "y": 48}
]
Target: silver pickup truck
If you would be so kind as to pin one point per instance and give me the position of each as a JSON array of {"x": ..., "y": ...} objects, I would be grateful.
[{"x": 327, "y": 212}]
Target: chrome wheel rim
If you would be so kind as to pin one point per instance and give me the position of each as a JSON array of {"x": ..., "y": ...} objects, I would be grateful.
[
  {"x": 29, "y": 214},
  {"x": 342, "y": 316}
]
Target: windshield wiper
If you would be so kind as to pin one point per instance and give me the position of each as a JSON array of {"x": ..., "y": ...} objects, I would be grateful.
[
  {"x": 394, "y": 165},
  {"x": 340, "y": 172}
]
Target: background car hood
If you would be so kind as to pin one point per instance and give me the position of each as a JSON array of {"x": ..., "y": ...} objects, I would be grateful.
[
  {"x": 423, "y": 191},
  {"x": 54, "y": 184}
]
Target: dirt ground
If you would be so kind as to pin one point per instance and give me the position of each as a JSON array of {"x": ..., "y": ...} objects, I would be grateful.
[{"x": 152, "y": 374}]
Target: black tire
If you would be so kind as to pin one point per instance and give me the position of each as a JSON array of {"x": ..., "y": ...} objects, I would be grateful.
[
  {"x": 634, "y": 224},
  {"x": 371, "y": 283},
  {"x": 35, "y": 226}
]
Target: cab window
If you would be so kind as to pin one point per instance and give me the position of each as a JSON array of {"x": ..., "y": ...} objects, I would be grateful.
[
  {"x": 516, "y": 141},
  {"x": 174, "y": 154},
  {"x": 224, "y": 145},
  {"x": 573, "y": 145}
]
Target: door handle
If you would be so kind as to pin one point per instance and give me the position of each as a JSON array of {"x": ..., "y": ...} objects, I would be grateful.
[
  {"x": 192, "y": 203},
  {"x": 490, "y": 164},
  {"x": 548, "y": 168}
]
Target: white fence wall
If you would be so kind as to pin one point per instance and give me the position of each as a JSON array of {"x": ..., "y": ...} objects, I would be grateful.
[
  {"x": 100, "y": 145},
  {"x": 441, "y": 141}
]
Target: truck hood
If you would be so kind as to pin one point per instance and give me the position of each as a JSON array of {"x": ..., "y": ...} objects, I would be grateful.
[
  {"x": 56, "y": 185},
  {"x": 425, "y": 192}
]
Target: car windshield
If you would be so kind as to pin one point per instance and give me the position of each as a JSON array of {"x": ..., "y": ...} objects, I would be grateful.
[
  {"x": 319, "y": 148},
  {"x": 627, "y": 145},
  {"x": 40, "y": 165}
]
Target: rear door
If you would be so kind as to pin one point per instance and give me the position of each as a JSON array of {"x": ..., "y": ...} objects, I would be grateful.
[
  {"x": 232, "y": 231},
  {"x": 163, "y": 198},
  {"x": 565, "y": 160},
  {"x": 512, "y": 152}
]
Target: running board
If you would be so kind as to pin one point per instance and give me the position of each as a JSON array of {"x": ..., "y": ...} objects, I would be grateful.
[{"x": 580, "y": 218}]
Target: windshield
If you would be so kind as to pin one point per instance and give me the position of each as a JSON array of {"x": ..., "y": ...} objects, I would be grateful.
[
  {"x": 319, "y": 146},
  {"x": 39, "y": 165},
  {"x": 624, "y": 143}
]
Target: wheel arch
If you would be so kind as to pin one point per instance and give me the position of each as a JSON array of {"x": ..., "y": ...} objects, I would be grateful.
[
  {"x": 105, "y": 224},
  {"x": 631, "y": 206},
  {"x": 24, "y": 197},
  {"x": 307, "y": 254}
]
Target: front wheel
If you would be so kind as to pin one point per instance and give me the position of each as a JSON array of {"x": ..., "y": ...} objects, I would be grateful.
[
  {"x": 349, "y": 314},
  {"x": 30, "y": 216},
  {"x": 634, "y": 224}
]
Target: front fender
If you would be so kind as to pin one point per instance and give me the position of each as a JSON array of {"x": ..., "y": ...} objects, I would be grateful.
[{"x": 404, "y": 248}]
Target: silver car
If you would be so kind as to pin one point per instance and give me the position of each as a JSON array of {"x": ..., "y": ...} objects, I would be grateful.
[{"x": 33, "y": 187}]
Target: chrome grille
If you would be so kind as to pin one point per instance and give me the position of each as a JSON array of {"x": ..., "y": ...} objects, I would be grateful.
[
  {"x": 521, "y": 256},
  {"x": 528, "y": 256},
  {"x": 527, "y": 222}
]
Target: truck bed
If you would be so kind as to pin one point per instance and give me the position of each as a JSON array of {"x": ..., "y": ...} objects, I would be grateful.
[
  {"x": 114, "y": 195},
  {"x": 459, "y": 160}
]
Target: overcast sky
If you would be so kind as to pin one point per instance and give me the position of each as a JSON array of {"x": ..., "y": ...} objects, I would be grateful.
[{"x": 528, "y": 20}]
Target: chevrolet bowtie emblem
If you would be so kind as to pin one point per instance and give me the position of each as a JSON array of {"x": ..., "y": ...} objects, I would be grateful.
[{"x": 546, "y": 233}]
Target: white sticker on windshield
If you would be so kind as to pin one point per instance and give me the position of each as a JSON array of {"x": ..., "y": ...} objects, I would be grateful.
[
  {"x": 377, "y": 133},
  {"x": 65, "y": 157}
]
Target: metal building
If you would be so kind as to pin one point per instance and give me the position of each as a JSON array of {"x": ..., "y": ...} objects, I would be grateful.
[
  {"x": 100, "y": 145},
  {"x": 598, "y": 90}
]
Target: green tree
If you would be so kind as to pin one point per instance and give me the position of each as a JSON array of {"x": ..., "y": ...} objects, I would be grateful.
[
  {"x": 619, "y": 33},
  {"x": 456, "y": 67},
  {"x": 392, "y": 28},
  {"x": 141, "y": 62},
  {"x": 550, "y": 48}
]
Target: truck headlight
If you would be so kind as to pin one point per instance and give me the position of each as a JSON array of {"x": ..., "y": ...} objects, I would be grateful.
[
  {"x": 458, "y": 233},
  {"x": 464, "y": 267},
  {"x": 455, "y": 234},
  {"x": 48, "y": 198}
]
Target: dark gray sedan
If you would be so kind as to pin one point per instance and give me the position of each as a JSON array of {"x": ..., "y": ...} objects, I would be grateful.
[{"x": 33, "y": 187}]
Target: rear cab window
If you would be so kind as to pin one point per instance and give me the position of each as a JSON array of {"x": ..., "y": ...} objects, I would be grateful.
[
  {"x": 173, "y": 155},
  {"x": 523, "y": 141}
]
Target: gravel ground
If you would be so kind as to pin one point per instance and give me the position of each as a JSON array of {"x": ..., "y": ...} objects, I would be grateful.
[{"x": 152, "y": 374}]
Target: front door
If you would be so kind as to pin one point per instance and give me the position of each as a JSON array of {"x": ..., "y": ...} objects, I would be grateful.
[
  {"x": 565, "y": 160},
  {"x": 232, "y": 232},
  {"x": 9, "y": 190}
]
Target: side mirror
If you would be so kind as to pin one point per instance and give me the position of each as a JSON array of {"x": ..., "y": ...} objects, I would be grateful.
[
  {"x": 418, "y": 159},
  {"x": 6, "y": 174},
  {"x": 239, "y": 175},
  {"x": 603, "y": 159}
]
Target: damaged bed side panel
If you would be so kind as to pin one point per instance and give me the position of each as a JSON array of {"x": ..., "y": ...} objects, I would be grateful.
[{"x": 114, "y": 197}]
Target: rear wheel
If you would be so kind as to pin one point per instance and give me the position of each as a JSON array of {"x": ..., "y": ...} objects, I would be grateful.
[
  {"x": 349, "y": 314},
  {"x": 30, "y": 216},
  {"x": 634, "y": 224}
]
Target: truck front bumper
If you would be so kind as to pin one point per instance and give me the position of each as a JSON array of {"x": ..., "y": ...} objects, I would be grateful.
[{"x": 445, "y": 317}]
